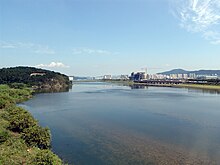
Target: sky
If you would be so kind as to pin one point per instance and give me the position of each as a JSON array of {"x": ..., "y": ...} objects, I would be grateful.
[{"x": 98, "y": 37}]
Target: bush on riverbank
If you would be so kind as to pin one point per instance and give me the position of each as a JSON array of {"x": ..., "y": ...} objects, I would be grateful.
[
  {"x": 37, "y": 136},
  {"x": 10, "y": 96},
  {"x": 22, "y": 140},
  {"x": 19, "y": 119}
]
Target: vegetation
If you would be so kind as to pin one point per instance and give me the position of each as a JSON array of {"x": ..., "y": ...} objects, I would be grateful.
[
  {"x": 120, "y": 82},
  {"x": 22, "y": 140},
  {"x": 200, "y": 86},
  {"x": 31, "y": 76}
]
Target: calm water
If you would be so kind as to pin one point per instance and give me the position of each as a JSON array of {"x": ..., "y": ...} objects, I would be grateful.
[{"x": 100, "y": 123}]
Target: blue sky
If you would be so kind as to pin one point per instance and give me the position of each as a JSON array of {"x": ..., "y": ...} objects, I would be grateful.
[{"x": 96, "y": 37}]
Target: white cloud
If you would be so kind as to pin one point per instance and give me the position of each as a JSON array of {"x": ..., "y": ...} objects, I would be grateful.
[
  {"x": 53, "y": 65},
  {"x": 88, "y": 51},
  {"x": 200, "y": 16},
  {"x": 6, "y": 45},
  {"x": 44, "y": 50},
  {"x": 35, "y": 48}
]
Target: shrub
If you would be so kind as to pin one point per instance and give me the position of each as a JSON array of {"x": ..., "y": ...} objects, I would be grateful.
[
  {"x": 14, "y": 152},
  {"x": 4, "y": 135},
  {"x": 3, "y": 123},
  {"x": 19, "y": 95},
  {"x": 10, "y": 96},
  {"x": 46, "y": 157},
  {"x": 20, "y": 119},
  {"x": 4, "y": 86},
  {"x": 22, "y": 140},
  {"x": 17, "y": 85},
  {"x": 37, "y": 136},
  {"x": 5, "y": 100}
]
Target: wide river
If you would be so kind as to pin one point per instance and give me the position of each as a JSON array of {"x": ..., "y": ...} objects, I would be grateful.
[{"x": 103, "y": 123}]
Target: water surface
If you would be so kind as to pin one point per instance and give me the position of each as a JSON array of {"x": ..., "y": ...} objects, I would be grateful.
[{"x": 101, "y": 123}]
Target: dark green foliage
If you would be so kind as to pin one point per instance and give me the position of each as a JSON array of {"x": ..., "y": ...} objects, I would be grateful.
[
  {"x": 14, "y": 152},
  {"x": 20, "y": 119},
  {"x": 10, "y": 96},
  {"x": 18, "y": 85},
  {"x": 23, "y": 75},
  {"x": 46, "y": 157},
  {"x": 21, "y": 137},
  {"x": 5, "y": 100},
  {"x": 3, "y": 123},
  {"x": 37, "y": 136},
  {"x": 4, "y": 135},
  {"x": 18, "y": 95}
]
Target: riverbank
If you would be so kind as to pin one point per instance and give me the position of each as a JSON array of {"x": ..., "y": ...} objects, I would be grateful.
[
  {"x": 22, "y": 139},
  {"x": 199, "y": 86},
  {"x": 184, "y": 85}
]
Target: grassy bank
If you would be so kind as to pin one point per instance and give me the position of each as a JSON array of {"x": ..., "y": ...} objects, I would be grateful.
[
  {"x": 119, "y": 82},
  {"x": 199, "y": 86},
  {"x": 22, "y": 140}
]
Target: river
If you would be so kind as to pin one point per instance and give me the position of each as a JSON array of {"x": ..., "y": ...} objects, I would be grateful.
[{"x": 103, "y": 123}]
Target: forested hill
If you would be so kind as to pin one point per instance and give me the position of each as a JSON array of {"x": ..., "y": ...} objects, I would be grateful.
[
  {"x": 197, "y": 72},
  {"x": 33, "y": 77}
]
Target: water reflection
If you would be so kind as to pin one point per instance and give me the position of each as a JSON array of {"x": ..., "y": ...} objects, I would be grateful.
[
  {"x": 53, "y": 90},
  {"x": 190, "y": 90},
  {"x": 210, "y": 91},
  {"x": 137, "y": 86}
]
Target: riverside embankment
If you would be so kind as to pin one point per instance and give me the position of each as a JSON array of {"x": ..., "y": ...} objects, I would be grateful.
[
  {"x": 22, "y": 139},
  {"x": 177, "y": 85}
]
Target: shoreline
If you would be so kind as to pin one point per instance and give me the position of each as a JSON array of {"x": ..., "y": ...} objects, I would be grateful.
[
  {"x": 21, "y": 136},
  {"x": 199, "y": 86},
  {"x": 183, "y": 85},
  {"x": 189, "y": 86}
]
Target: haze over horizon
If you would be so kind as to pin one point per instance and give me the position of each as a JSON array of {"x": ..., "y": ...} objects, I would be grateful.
[{"x": 96, "y": 37}]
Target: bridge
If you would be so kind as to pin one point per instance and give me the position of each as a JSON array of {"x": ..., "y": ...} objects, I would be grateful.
[
  {"x": 160, "y": 82},
  {"x": 173, "y": 82}
]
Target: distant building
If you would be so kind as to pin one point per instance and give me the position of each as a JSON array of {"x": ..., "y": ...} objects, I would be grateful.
[
  {"x": 207, "y": 77},
  {"x": 179, "y": 76},
  {"x": 192, "y": 75},
  {"x": 107, "y": 77},
  {"x": 185, "y": 76},
  {"x": 71, "y": 78},
  {"x": 124, "y": 77},
  {"x": 138, "y": 76},
  {"x": 173, "y": 76},
  {"x": 37, "y": 74},
  {"x": 157, "y": 76}
]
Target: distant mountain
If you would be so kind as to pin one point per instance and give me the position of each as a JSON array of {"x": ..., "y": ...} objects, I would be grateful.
[
  {"x": 31, "y": 76},
  {"x": 206, "y": 72},
  {"x": 197, "y": 72},
  {"x": 175, "y": 71}
]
